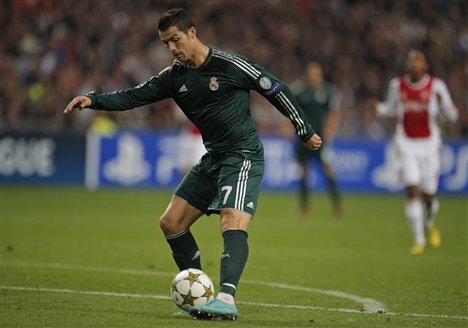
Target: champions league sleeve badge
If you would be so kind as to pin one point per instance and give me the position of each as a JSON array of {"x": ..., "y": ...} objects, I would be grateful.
[
  {"x": 265, "y": 83},
  {"x": 272, "y": 88}
]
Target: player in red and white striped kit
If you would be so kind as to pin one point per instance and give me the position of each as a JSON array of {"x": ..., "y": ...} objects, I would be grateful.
[{"x": 416, "y": 99}]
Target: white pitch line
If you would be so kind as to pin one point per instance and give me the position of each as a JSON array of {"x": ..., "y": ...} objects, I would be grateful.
[
  {"x": 368, "y": 304},
  {"x": 162, "y": 297},
  {"x": 83, "y": 292}
]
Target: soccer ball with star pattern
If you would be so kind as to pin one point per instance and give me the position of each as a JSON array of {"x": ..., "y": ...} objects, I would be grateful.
[{"x": 191, "y": 287}]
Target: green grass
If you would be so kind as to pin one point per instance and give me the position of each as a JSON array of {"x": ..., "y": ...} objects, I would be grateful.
[{"x": 98, "y": 259}]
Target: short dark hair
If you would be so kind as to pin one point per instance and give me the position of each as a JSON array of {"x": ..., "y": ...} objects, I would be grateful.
[{"x": 176, "y": 17}]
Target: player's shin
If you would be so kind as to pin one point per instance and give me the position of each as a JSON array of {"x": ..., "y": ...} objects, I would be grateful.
[
  {"x": 184, "y": 250},
  {"x": 233, "y": 259},
  {"x": 432, "y": 210},
  {"x": 414, "y": 214}
]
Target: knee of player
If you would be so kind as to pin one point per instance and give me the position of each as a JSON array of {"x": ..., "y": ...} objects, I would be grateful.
[
  {"x": 164, "y": 223},
  {"x": 169, "y": 224}
]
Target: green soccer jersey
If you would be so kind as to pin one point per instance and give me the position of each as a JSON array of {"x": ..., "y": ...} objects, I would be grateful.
[
  {"x": 215, "y": 97},
  {"x": 317, "y": 103}
]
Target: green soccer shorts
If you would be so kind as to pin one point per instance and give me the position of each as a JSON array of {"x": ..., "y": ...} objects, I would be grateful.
[{"x": 227, "y": 180}]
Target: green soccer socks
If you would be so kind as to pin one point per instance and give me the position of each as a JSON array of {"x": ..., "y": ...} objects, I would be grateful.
[
  {"x": 233, "y": 259},
  {"x": 184, "y": 250}
]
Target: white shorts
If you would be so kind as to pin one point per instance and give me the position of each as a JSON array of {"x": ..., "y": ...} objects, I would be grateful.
[{"x": 419, "y": 162}]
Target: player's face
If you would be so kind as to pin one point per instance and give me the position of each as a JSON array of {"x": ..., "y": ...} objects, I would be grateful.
[
  {"x": 314, "y": 74},
  {"x": 180, "y": 44},
  {"x": 417, "y": 64}
]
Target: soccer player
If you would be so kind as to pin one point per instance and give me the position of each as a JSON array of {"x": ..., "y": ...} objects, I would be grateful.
[
  {"x": 416, "y": 99},
  {"x": 321, "y": 104},
  {"x": 212, "y": 89}
]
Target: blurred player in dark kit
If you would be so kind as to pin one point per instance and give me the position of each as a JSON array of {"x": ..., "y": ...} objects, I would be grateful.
[{"x": 321, "y": 104}]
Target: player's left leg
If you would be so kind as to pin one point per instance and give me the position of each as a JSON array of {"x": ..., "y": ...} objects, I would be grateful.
[
  {"x": 432, "y": 207},
  {"x": 239, "y": 187},
  {"x": 302, "y": 156},
  {"x": 325, "y": 157},
  {"x": 332, "y": 189},
  {"x": 428, "y": 191},
  {"x": 429, "y": 185},
  {"x": 234, "y": 224}
]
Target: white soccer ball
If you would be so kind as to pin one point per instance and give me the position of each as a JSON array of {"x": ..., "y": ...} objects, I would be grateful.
[{"x": 191, "y": 287}]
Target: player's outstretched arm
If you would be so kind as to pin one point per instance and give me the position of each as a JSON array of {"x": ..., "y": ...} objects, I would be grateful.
[
  {"x": 314, "y": 143},
  {"x": 79, "y": 102}
]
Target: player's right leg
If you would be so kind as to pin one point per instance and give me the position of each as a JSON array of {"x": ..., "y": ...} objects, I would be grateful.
[
  {"x": 411, "y": 174},
  {"x": 189, "y": 202},
  {"x": 414, "y": 213},
  {"x": 175, "y": 224}
]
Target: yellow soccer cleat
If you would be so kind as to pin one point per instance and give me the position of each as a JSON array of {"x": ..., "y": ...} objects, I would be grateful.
[
  {"x": 433, "y": 237},
  {"x": 417, "y": 249}
]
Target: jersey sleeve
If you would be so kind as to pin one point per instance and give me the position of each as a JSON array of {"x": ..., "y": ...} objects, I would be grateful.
[
  {"x": 277, "y": 93},
  {"x": 445, "y": 101},
  {"x": 390, "y": 106},
  {"x": 155, "y": 89}
]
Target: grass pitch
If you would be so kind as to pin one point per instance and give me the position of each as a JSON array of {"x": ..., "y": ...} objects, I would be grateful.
[{"x": 73, "y": 258}]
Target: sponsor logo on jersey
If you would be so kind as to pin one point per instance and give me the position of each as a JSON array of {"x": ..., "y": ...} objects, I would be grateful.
[
  {"x": 415, "y": 106},
  {"x": 214, "y": 85},
  {"x": 183, "y": 88}
]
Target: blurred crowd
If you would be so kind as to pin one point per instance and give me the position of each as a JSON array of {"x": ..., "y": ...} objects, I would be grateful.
[{"x": 53, "y": 50}]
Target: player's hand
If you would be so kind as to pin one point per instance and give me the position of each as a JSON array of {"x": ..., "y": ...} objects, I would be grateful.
[
  {"x": 79, "y": 102},
  {"x": 314, "y": 143}
]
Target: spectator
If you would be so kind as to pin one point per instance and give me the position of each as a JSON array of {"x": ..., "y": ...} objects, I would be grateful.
[{"x": 48, "y": 49}]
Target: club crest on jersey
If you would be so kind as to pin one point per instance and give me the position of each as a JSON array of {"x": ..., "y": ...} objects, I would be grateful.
[
  {"x": 214, "y": 85},
  {"x": 265, "y": 83}
]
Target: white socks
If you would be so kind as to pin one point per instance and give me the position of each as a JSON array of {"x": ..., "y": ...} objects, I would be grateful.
[
  {"x": 226, "y": 298},
  {"x": 432, "y": 212},
  {"x": 415, "y": 214}
]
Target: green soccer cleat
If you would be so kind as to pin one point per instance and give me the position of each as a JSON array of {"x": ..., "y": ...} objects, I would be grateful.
[{"x": 216, "y": 309}]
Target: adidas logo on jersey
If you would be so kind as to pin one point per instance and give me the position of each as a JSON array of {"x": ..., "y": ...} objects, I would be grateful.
[
  {"x": 183, "y": 88},
  {"x": 251, "y": 205}
]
